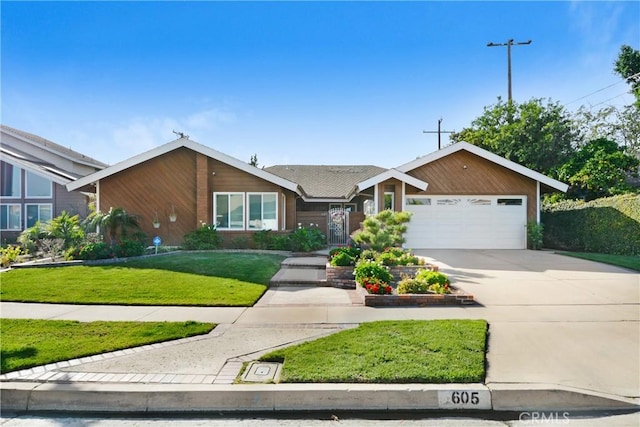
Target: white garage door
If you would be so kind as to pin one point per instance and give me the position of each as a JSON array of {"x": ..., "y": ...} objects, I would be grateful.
[{"x": 466, "y": 222}]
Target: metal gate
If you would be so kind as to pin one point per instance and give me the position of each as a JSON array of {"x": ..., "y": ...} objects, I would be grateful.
[{"x": 337, "y": 227}]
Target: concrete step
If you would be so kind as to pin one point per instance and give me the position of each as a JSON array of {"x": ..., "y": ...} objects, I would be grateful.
[
  {"x": 309, "y": 262},
  {"x": 292, "y": 276}
]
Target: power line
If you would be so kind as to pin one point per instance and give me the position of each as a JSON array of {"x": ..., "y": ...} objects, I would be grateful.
[
  {"x": 607, "y": 100},
  {"x": 636, "y": 76}
]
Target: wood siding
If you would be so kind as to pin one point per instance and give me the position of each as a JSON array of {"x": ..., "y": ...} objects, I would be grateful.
[
  {"x": 157, "y": 186},
  {"x": 464, "y": 173},
  {"x": 185, "y": 181}
]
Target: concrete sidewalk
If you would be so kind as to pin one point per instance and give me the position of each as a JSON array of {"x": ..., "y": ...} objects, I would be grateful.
[{"x": 559, "y": 339}]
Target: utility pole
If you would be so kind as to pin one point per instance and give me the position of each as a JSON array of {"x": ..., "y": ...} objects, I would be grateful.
[
  {"x": 508, "y": 44},
  {"x": 439, "y": 132}
]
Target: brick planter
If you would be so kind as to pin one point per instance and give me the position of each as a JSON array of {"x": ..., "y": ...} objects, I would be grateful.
[
  {"x": 342, "y": 277},
  {"x": 457, "y": 297}
]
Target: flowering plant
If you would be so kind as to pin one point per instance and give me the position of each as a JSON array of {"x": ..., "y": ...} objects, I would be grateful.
[{"x": 376, "y": 286}]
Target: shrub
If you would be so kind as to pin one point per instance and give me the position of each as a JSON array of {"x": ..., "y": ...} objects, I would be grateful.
[
  {"x": 608, "y": 225},
  {"x": 344, "y": 256},
  {"x": 369, "y": 254},
  {"x": 433, "y": 277},
  {"x": 375, "y": 286},
  {"x": 398, "y": 256},
  {"x": 263, "y": 239},
  {"x": 535, "y": 234},
  {"x": 67, "y": 228},
  {"x": 203, "y": 238},
  {"x": 342, "y": 259},
  {"x": 425, "y": 281},
  {"x": 128, "y": 248},
  {"x": 30, "y": 237},
  {"x": 9, "y": 255},
  {"x": 307, "y": 239},
  {"x": 386, "y": 229},
  {"x": 240, "y": 242},
  {"x": 91, "y": 251},
  {"x": 371, "y": 270},
  {"x": 412, "y": 286}
]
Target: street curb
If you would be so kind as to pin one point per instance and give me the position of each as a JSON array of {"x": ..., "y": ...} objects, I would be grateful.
[{"x": 141, "y": 398}]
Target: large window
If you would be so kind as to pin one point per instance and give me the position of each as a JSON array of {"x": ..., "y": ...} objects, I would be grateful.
[
  {"x": 10, "y": 217},
  {"x": 229, "y": 210},
  {"x": 262, "y": 211},
  {"x": 10, "y": 180},
  {"x": 38, "y": 187},
  {"x": 38, "y": 212}
]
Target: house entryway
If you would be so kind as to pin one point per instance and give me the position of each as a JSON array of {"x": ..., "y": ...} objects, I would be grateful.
[{"x": 337, "y": 227}]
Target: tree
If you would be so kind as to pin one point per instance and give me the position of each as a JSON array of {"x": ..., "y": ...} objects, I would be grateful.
[
  {"x": 598, "y": 169},
  {"x": 117, "y": 223},
  {"x": 384, "y": 230},
  {"x": 627, "y": 65},
  {"x": 536, "y": 135}
]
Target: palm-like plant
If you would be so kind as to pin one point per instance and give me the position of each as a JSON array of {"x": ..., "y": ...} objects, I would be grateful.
[{"x": 117, "y": 223}]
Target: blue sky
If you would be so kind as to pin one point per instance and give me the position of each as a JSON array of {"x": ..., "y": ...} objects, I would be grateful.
[{"x": 296, "y": 82}]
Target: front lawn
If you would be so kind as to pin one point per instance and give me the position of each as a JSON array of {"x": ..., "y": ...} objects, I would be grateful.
[
  {"x": 28, "y": 342},
  {"x": 414, "y": 351},
  {"x": 626, "y": 261},
  {"x": 202, "y": 278}
]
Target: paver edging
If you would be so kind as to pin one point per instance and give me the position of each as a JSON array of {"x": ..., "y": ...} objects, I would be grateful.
[{"x": 457, "y": 297}]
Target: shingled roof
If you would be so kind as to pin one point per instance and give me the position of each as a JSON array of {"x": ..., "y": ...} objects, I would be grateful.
[
  {"x": 326, "y": 181},
  {"x": 57, "y": 148}
]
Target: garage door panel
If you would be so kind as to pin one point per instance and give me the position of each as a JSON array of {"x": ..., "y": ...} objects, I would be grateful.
[{"x": 468, "y": 222}]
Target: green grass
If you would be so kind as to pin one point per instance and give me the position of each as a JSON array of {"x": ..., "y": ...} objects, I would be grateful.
[
  {"x": 28, "y": 342},
  {"x": 204, "y": 279},
  {"x": 414, "y": 351},
  {"x": 626, "y": 261}
]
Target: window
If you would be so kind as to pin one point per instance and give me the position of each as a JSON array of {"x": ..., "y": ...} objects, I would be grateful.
[
  {"x": 262, "y": 211},
  {"x": 229, "y": 210},
  {"x": 10, "y": 180},
  {"x": 350, "y": 207},
  {"x": 480, "y": 202},
  {"x": 335, "y": 206},
  {"x": 389, "y": 200},
  {"x": 38, "y": 187},
  {"x": 448, "y": 202},
  {"x": 509, "y": 202},
  {"x": 38, "y": 212},
  {"x": 10, "y": 217},
  {"x": 418, "y": 201}
]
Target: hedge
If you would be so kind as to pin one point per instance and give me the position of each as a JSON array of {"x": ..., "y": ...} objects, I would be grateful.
[{"x": 608, "y": 225}]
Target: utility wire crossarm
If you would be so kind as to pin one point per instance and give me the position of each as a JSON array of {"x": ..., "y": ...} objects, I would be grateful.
[
  {"x": 508, "y": 44},
  {"x": 439, "y": 132}
]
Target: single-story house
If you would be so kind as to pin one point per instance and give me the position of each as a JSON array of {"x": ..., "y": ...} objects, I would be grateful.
[
  {"x": 461, "y": 196},
  {"x": 34, "y": 173}
]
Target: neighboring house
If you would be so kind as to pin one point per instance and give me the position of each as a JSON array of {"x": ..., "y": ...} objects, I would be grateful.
[
  {"x": 461, "y": 196},
  {"x": 34, "y": 173}
]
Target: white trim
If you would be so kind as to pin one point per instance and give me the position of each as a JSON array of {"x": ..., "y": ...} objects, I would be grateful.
[
  {"x": 284, "y": 212},
  {"x": 404, "y": 194},
  {"x": 538, "y": 202},
  {"x": 248, "y": 210},
  {"x": 25, "y": 165},
  {"x": 26, "y": 220},
  {"x": 52, "y": 150},
  {"x": 173, "y": 145},
  {"x": 244, "y": 211},
  {"x": 375, "y": 199},
  {"x": 26, "y": 186},
  {"x": 537, "y": 176},
  {"x": 19, "y": 205},
  {"x": 393, "y": 199},
  {"x": 392, "y": 173},
  {"x": 20, "y": 174}
]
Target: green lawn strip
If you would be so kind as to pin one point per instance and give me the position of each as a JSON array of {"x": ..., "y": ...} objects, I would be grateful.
[
  {"x": 203, "y": 279},
  {"x": 30, "y": 342},
  {"x": 413, "y": 351},
  {"x": 626, "y": 261}
]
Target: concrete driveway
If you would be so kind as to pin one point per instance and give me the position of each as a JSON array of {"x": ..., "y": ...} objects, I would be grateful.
[{"x": 553, "y": 319}]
